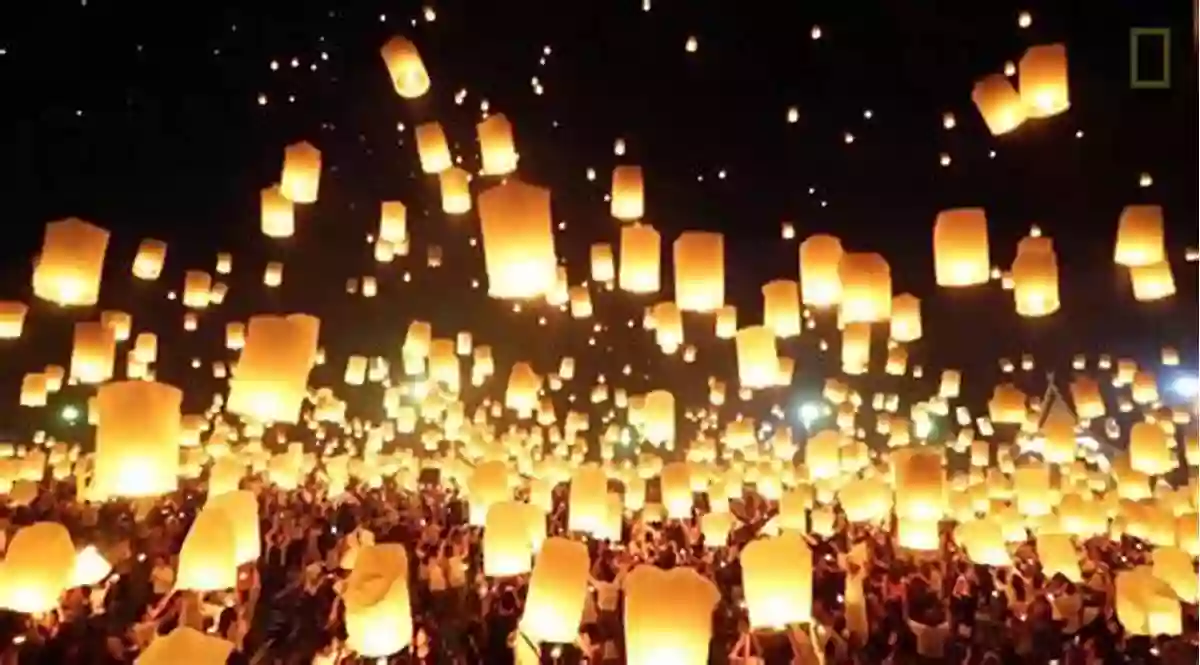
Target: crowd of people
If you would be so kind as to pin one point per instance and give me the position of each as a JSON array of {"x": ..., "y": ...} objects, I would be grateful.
[{"x": 927, "y": 607}]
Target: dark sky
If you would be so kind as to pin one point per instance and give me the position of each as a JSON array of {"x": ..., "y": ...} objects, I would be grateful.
[{"x": 145, "y": 118}]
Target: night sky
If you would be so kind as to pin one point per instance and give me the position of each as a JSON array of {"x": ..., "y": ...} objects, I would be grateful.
[{"x": 165, "y": 120}]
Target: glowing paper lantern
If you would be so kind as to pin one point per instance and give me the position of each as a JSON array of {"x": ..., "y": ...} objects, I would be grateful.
[
  {"x": 820, "y": 281},
  {"x": 906, "y": 318},
  {"x": 456, "y": 191},
  {"x": 301, "y": 173},
  {"x": 558, "y": 590},
  {"x": 68, "y": 270},
  {"x": 1152, "y": 282},
  {"x": 197, "y": 287},
  {"x": 278, "y": 214},
  {"x": 1042, "y": 80},
  {"x": 518, "y": 240},
  {"x": 1058, "y": 556},
  {"x": 1140, "y": 238},
  {"x": 433, "y": 148},
  {"x": 659, "y": 414},
  {"x": 186, "y": 645},
  {"x": 12, "y": 318},
  {"x": 137, "y": 439},
  {"x": 507, "y": 548},
  {"x": 1000, "y": 105},
  {"x": 393, "y": 222},
  {"x": 241, "y": 506},
  {"x": 777, "y": 580},
  {"x": 90, "y": 567},
  {"x": 37, "y": 569},
  {"x": 602, "y": 262},
  {"x": 378, "y": 605},
  {"x": 148, "y": 263},
  {"x": 1149, "y": 452},
  {"x": 640, "y": 259},
  {"x": 627, "y": 198},
  {"x": 405, "y": 68},
  {"x": 699, "y": 271},
  {"x": 1035, "y": 277},
  {"x": 960, "y": 247},
  {"x": 866, "y": 281},
  {"x": 271, "y": 377},
  {"x": 781, "y": 307},
  {"x": 587, "y": 507},
  {"x": 919, "y": 482},
  {"x": 496, "y": 147},
  {"x": 93, "y": 352},
  {"x": 676, "y": 489},
  {"x": 668, "y": 616},
  {"x": 758, "y": 362}
]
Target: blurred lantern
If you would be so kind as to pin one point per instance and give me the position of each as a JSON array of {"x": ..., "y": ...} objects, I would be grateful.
[
  {"x": 137, "y": 439},
  {"x": 820, "y": 282},
  {"x": 866, "y": 281},
  {"x": 301, "y": 176},
  {"x": 278, "y": 214},
  {"x": 781, "y": 307},
  {"x": 1140, "y": 236},
  {"x": 1035, "y": 277},
  {"x": 627, "y": 197},
  {"x": 405, "y": 68},
  {"x": 640, "y": 259},
  {"x": 699, "y": 271},
  {"x": 148, "y": 263},
  {"x": 1042, "y": 79},
  {"x": 456, "y": 191},
  {"x": 432, "y": 148},
  {"x": 498, "y": 152}
]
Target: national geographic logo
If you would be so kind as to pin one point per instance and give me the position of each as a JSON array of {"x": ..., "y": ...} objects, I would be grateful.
[{"x": 1149, "y": 58}]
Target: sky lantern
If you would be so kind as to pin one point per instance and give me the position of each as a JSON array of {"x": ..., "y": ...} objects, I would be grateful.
[
  {"x": 1042, "y": 80},
  {"x": 820, "y": 282},
  {"x": 487, "y": 485},
  {"x": 507, "y": 548},
  {"x": 603, "y": 270},
  {"x": 68, "y": 270},
  {"x": 588, "y": 494},
  {"x": 149, "y": 260},
  {"x": 301, "y": 173},
  {"x": 197, "y": 287},
  {"x": 676, "y": 488},
  {"x": 1035, "y": 277},
  {"x": 137, "y": 439},
  {"x": 668, "y": 616},
  {"x": 523, "y": 387},
  {"x": 906, "y": 318},
  {"x": 778, "y": 578},
  {"x": 12, "y": 318},
  {"x": 999, "y": 104},
  {"x": 496, "y": 146},
  {"x": 856, "y": 348},
  {"x": 241, "y": 506},
  {"x": 1147, "y": 605},
  {"x": 628, "y": 199},
  {"x": 278, "y": 213},
  {"x": 640, "y": 259},
  {"x": 518, "y": 240},
  {"x": 865, "y": 499},
  {"x": 822, "y": 455},
  {"x": 1149, "y": 450},
  {"x": 432, "y": 148},
  {"x": 1140, "y": 237},
  {"x": 33, "y": 390},
  {"x": 1007, "y": 405},
  {"x": 866, "y": 281},
  {"x": 726, "y": 322},
  {"x": 757, "y": 358},
  {"x": 558, "y": 590},
  {"x": 668, "y": 326},
  {"x": 456, "y": 191},
  {"x": 37, "y": 569},
  {"x": 960, "y": 247},
  {"x": 919, "y": 481},
  {"x": 659, "y": 414},
  {"x": 393, "y": 222},
  {"x": 186, "y": 644},
  {"x": 405, "y": 68},
  {"x": 271, "y": 377},
  {"x": 1152, "y": 281},
  {"x": 699, "y": 271},
  {"x": 781, "y": 307},
  {"x": 120, "y": 323},
  {"x": 378, "y": 604},
  {"x": 208, "y": 559},
  {"x": 93, "y": 352}
]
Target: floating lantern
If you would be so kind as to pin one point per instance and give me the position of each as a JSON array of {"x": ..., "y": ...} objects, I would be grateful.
[
  {"x": 558, "y": 591},
  {"x": 498, "y": 152},
  {"x": 699, "y": 271},
  {"x": 456, "y": 191},
  {"x": 148, "y": 263},
  {"x": 820, "y": 282},
  {"x": 278, "y": 214},
  {"x": 405, "y": 68},
  {"x": 433, "y": 148},
  {"x": 1140, "y": 236},
  {"x": 866, "y": 281},
  {"x": 1042, "y": 79},
  {"x": 518, "y": 240},
  {"x": 758, "y": 362},
  {"x": 37, "y": 569},
  {"x": 999, "y": 104},
  {"x": 628, "y": 201},
  {"x": 778, "y": 578},
  {"x": 781, "y": 307},
  {"x": 301, "y": 173},
  {"x": 68, "y": 270},
  {"x": 137, "y": 439},
  {"x": 640, "y": 257},
  {"x": 1035, "y": 277},
  {"x": 960, "y": 247}
]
